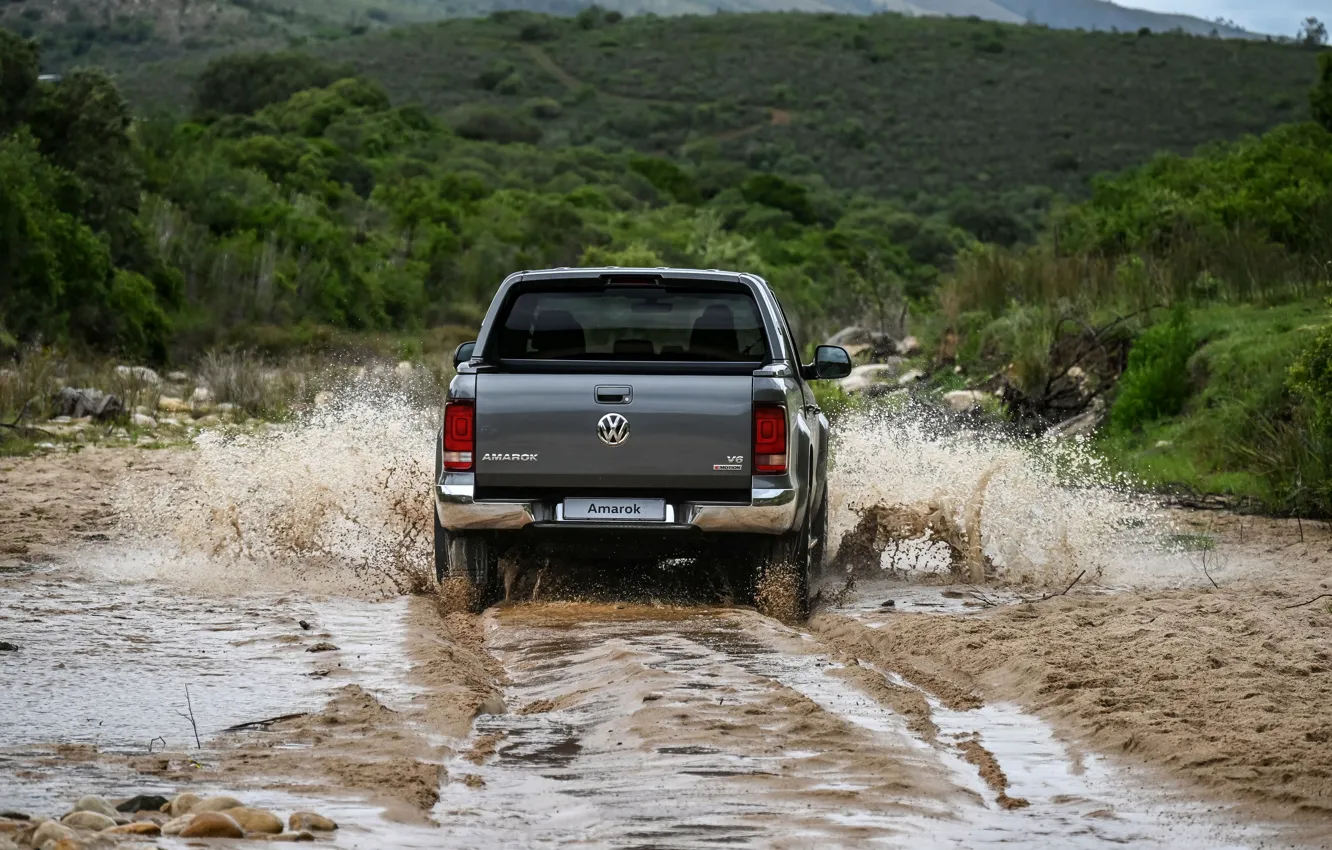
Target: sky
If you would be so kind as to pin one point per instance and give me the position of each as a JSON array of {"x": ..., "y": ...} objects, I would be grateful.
[{"x": 1276, "y": 17}]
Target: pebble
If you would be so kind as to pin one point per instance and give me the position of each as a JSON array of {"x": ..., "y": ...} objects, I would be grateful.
[
  {"x": 493, "y": 704},
  {"x": 219, "y": 803},
  {"x": 142, "y": 803},
  {"x": 212, "y": 825},
  {"x": 292, "y": 836},
  {"x": 66, "y": 844},
  {"x": 255, "y": 820},
  {"x": 93, "y": 803},
  {"x": 140, "y": 828},
  {"x": 6, "y": 844},
  {"x": 6, "y": 646},
  {"x": 174, "y": 827},
  {"x": 323, "y": 646},
  {"x": 51, "y": 831},
  {"x": 202, "y": 395},
  {"x": 141, "y": 420},
  {"x": 309, "y": 820},
  {"x": 173, "y": 405},
  {"x": 95, "y": 821},
  {"x": 11, "y": 815},
  {"x": 182, "y": 804}
]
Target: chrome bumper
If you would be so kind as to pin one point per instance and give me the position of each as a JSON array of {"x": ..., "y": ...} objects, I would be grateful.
[{"x": 770, "y": 511}]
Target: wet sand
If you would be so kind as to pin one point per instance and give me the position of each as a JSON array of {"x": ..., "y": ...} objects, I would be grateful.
[{"x": 657, "y": 725}]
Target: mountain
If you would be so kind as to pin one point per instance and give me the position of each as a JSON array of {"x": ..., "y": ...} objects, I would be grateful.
[{"x": 1105, "y": 16}]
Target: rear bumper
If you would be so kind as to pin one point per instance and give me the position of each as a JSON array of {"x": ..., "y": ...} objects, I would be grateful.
[{"x": 772, "y": 510}]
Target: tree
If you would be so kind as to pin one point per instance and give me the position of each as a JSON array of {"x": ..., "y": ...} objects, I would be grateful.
[
  {"x": 1313, "y": 33},
  {"x": 1320, "y": 99},
  {"x": 18, "y": 78},
  {"x": 245, "y": 83}
]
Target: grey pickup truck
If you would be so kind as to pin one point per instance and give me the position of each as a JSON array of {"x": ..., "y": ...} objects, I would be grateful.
[{"x": 631, "y": 416}]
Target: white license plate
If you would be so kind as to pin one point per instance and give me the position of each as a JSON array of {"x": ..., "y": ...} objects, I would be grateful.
[{"x": 616, "y": 510}]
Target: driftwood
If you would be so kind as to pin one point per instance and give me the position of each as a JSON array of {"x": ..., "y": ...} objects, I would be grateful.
[
  {"x": 259, "y": 724},
  {"x": 1308, "y": 602}
]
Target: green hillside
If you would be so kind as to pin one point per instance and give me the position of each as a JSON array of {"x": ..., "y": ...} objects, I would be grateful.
[{"x": 895, "y": 105}]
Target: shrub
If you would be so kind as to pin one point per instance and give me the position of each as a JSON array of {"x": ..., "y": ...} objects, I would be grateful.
[
  {"x": 488, "y": 124},
  {"x": 1155, "y": 383},
  {"x": 245, "y": 83}
]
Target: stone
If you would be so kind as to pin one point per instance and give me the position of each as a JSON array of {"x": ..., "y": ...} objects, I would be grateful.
[
  {"x": 963, "y": 400},
  {"x": 851, "y": 335},
  {"x": 323, "y": 398},
  {"x": 176, "y": 825},
  {"x": 910, "y": 377},
  {"x": 96, "y": 821},
  {"x": 218, "y": 803},
  {"x": 493, "y": 704},
  {"x": 208, "y": 421},
  {"x": 6, "y": 646},
  {"x": 7, "y": 843},
  {"x": 212, "y": 824},
  {"x": 322, "y": 646},
  {"x": 182, "y": 804},
  {"x": 77, "y": 403},
  {"x": 67, "y": 844},
  {"x": 310, "y": 820},
  {"x": 13, "y": 815},
  {"x": 142, "y": 374},
  {"x": 158, "y": 818},
  {"x": 226, "y": 407},
  {"x": 862, "y": 377},
  {"x": 255, "y": 820},
  {"x": 170, "y": 404},
  {"x": 908, "y": 346},
  {"x": 142, "y": 803},
  {"x": 93, "y": 803},
  {"x": 404, "y": 368},
  {"x": 178, "y": 377},
  {"x": 140, "y": 420},
  {"x": 292, "y": 836},
  {"x": 202, "y": 395},
  {"x": 52, "y": 831},
  {"x": 144, "y": 827},
  {"x": 1076, "y": 426}
]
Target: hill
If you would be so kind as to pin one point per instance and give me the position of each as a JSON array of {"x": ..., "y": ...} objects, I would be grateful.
[
  {"x": 124, "y": 32},
  {"x": 912, "y": 108}
]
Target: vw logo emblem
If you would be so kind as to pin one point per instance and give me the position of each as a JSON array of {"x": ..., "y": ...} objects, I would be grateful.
[{"x": 613, "y": 429}]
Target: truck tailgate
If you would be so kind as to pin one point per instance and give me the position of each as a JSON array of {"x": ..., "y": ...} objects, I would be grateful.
[{"x": 681, "y": 432}]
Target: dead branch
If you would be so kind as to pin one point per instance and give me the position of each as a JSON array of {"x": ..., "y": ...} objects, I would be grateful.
[
  {"x": 190, "y": 717},
  {"x": 1309, "y": 602},
  {"x": 155, "y": 740},
  {"x": 258, "y": 724},
  {"x": 1065, "y": 591}
]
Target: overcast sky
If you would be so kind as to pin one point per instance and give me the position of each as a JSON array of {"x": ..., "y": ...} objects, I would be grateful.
[{"x": 1278, "y": 17}]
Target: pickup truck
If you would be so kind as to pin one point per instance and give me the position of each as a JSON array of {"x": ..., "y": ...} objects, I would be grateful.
[{"x": 634, "y": 415}]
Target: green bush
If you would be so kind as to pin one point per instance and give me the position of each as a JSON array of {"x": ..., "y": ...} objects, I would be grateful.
[
  {"x": 1155, "y": 384},
  {"x": 1320, "y": 99},
  {"x": 244, "y": 83}
]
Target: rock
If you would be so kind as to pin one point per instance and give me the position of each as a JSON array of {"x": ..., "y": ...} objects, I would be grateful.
[
  {"x": 323, "y": 398},
  {"x": 140, "y": 420},
  {"x": 910, "y": 377},
  {"x": 182, "y": 804},
  {"x": 175, "y": 825},
  {"x": 96, "y": 821},
  {"x": 173, "y": 405},
  {"x": 873, "y": 373},
  {"x": 13, "y": 815},
  {"x": 138, "y": 828},
  {"x": 67, "y": 844},
  {"x": 852, "y": 335},
  {"x": 404, "y": 368},
  {"x": 6, "y": 646},
  {"x": 908, "y": 346},
  {"x": 93, "y": 803},
  {"x": 87, "y": 402},
  {"x": 219, "y": 803},
  {"x": 493, "y": 704},
  {"x": 1077, "y": 426},
  {"x": 963, "y": 400},
  {"x": 141, "y": 374},
  {"x": 7, "y": 844},
  {"x": 52, "y": 831},
  {"x": 178, "y": 377},
  {"x": 1163, "y": 444},
  {"x": 226, "y": 407},
  {"x": 158, "y": 818},
  {"x": 211, "y": 825},
  {"x": 322, "y": 646},
  {"x": 292, "y": 836},
  {"x": 208, "y": 421},
  {"x": 309, "y": 820},
  {"x": 202, "y": 395},
  {"x": 255, "y": 820},
  {"x": 142, "y": 803}
]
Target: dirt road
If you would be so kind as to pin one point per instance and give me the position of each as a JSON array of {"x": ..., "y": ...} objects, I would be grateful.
[{"x": 1150, "y": 716}]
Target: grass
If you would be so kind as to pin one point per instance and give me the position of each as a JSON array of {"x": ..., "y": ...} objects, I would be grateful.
[{"x": 909, "y": 108}]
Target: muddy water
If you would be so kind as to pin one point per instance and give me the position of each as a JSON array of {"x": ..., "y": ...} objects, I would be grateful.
[{"x": 689, "y": 729}]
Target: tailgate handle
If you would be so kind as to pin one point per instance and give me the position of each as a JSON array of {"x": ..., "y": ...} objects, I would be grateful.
[{"x": 615, "y": 395}]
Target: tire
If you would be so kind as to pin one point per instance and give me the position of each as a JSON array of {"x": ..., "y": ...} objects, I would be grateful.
[
  {"x": 468, "y": 562},
  {"x": 818, "y": 531},
  {"x": 782, "y": 570}
]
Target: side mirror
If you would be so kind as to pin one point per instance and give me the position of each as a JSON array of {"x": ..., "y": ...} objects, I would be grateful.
[
  {"x": 463, "y": 353},
  {"x": 830, "y": 361}
]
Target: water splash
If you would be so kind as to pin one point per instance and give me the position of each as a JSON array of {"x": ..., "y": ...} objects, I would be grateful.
[
  {"x": 336, "y": 500},
  {"x": 1030, "y": 512}
]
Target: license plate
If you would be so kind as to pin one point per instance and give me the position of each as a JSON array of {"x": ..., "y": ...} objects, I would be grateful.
[{"x": 616, "y": 510}]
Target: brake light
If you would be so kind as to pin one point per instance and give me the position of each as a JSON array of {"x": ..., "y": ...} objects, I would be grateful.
[
  {"x": 769, "y": 439},
  {"x": 459, "y": 435}
]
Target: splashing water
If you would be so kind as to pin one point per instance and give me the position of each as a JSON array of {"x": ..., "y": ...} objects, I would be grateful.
[
  {"x": 1045, "y": 510},
  {"x": 336, "y": 500}
]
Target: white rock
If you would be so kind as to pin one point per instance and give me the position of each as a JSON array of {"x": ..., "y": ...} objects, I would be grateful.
[
  {"x": 95, "y": 821},
  {"x": 964, "y": 400},
  {"x": 202, "y": 395},
  {"x": 909, "y": 377},
  {"x": 323, "y": 398},
  {"x": 907, "y": 347},
  {"x": 225, "y": 407},
  {"x": 404, "y": 368},
  {"x": 1163, "y": 444},
  {"x": 93, "y": 803},
  {"x": 62, "y": 420},
  {"x": 178, "y": 377},
  {"x": 173, "y": 405},
  {"x": 52, "y": 831},
  {"x": 139, "y": 373},
  {"x": 1082, "y": 424},
  {"x": 142, "y": 420},
  {"x": 872, "y": 373}
]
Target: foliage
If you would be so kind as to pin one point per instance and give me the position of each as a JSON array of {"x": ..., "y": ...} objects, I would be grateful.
[
  {"x": 1156, "y": 382},
  {"x": 1320, "y": 98},
  {"x": 244, "y": 83}
]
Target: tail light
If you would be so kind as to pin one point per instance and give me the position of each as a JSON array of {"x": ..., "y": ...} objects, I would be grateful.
[
  {"x": 459, "y": 435},
  {"x": 769, "y": 439}
]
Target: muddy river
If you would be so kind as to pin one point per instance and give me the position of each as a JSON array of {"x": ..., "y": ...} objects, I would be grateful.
[{"x": 1153, "y": 705}]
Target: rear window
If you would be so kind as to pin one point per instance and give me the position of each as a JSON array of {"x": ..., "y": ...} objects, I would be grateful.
[{"x": 634, "y": 323}]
